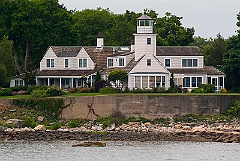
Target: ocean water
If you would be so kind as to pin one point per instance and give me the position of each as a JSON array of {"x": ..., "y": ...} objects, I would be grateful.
[{"x": 119, "y": 151}]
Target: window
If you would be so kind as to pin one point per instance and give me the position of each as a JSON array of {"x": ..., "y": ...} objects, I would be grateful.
[
  {"x": 192, "y": 81},
  {"x": 110, "y": 62},
  {"x": 149, "y": 81},
  {"x": 50, "y": 63},
  {"x": 138, "y": 81},
  {"x": 121, "y": 61},
  {"x": 144, "y": 81},
  {"x": 148, "y": 62},
  {"x": 83, "y": 63},
  {"x": 66, "y": 63},
  {"x": 141, "y": 22},
  {"x": 167, "y": 62},
  {"x": 148, "y": 41},
  {"x": 189, "y": 62}
]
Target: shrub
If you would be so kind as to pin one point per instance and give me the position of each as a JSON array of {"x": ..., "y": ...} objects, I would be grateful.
[
  {"x": 161, "y": 90},
  {"x": 55, "y": 126},
  {"x": 109, "y": 90},
  {"x": 31, "y": 88},
  {"x": 74, "y": 123},
  {"x": 22, "y": 92},
  {"x": 207, "y": 88},
  {"x": 6, "y": 92},
  {"x": 101, "y": 84},
  {"x": 234, "y": 110},
  {"x": 223, "y": 90},
  {"x": 82, "y": 89},
  {"x": 54, "y": 91},
  {"x": 72, "y": 90},
  {"x": 143, "y": 119},
  {"x": 19, "y": 88},
  {"x": 107, "y": 121},
  {"x": 39, "y": 93},
  {"x": 29, "y": 122}
]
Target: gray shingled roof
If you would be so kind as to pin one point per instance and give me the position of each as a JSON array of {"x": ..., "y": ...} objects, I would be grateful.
[
  {"x": 209, "y": 70},
  {"x": 65, "y": 72},
  {"x": 144, "y": 17},
  {"x": 178, "y": 51}
]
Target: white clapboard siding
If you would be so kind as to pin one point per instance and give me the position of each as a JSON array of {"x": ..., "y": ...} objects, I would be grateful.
[
  {"x": 82, "y": 55},
  {"x": 49, "y": 55},
  {"x": 176, "y": 61},
  {"x": 155, "y": 66}
]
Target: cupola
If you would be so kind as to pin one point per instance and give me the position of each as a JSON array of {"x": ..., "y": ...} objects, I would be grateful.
[
  {"x": 100, "y": 42},
  {"x": 145, "y": 24}
]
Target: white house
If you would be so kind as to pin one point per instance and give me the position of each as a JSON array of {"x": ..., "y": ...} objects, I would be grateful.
[{"x": 147, "y": 65}]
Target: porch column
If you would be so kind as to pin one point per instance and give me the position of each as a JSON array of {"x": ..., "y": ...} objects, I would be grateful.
[
  {"x": 223, "y": 82},
  {"x": 60, "y": 83},
  {"x": 72, "y": 82},
  {"x": 91, "y": 80},
  {"x": 48, "y": 82}
]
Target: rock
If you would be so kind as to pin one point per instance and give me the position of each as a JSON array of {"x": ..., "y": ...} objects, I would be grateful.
[
  {"x": 2, "y": 128},
  {"x": 40, "y": 118},
  {"x": 16, "y": 122},
  {"x": 111, "y": 128},
  {"x": 40, "y": 128},
  {"x": 13, "y": 110},
  {"x": 186, "y": 128}
]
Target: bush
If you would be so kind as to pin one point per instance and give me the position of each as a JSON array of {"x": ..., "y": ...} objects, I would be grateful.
[
  {"x": 101, "y": 84},
  {"x": 207, "y": 88},
  {"x": 29, "y": 122},
  {"x": 72, "y": 90},
  {"x": 6, "y": 92},
  {"x": 22, "y": 92},
  {"x": 109, "y": 90},
  {"x": 39, "y": 93},
  {"x": 82, "y": 89},
  {"x": 223, "y": 90},
  {"x": 234, "y": 110},
  {"x": 54, "y": 91},
  {"x": 74, "y": 123},
  {"x": 31, "y": 88},
  {"x": 19, "y": 88}
]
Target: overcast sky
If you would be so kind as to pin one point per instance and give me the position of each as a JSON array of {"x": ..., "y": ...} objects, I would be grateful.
[{"x": 207, "y": 17}]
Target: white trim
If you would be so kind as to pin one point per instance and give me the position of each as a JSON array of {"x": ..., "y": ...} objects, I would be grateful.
[{"x": 165, "y": 61}]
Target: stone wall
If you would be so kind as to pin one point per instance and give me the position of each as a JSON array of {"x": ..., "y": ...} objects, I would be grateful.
[
  {"x": 146, "y": 106},
  {"x": 154, "y": 106}
]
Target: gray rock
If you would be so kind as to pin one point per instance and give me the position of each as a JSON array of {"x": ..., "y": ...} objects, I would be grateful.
[{"x": 16, "y": 122}]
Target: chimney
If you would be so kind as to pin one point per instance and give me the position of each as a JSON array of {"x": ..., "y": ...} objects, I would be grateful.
[{"x": 100, "y": 40}]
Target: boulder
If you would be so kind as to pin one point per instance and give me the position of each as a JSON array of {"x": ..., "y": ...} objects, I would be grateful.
[
  {"x": 40, "y": 128},
  {"x": 16, "y": 122},
  {"x": 40, "y": 118}
]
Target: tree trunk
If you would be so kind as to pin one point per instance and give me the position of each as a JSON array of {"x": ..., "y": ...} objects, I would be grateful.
[
  {"x": 19, "y": 69},
  {"x": 26, "y": 57}
]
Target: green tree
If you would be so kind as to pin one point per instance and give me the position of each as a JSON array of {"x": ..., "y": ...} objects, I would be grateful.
[
  {"x": 6, "y": 62},
  {"x": 171, "y": 32},
  {"x": 118, "y": 77}
]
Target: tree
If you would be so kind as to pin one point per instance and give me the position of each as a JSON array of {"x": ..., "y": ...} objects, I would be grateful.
[
  {"x": 231, "y": 66},
  {"x": 171, "y": 32},
  {"x": 7, "y": 66},
  {"x": 118, "y": 77}
]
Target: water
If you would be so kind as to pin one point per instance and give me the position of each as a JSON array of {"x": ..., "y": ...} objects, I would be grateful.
[{"x": 122, "y": 151}]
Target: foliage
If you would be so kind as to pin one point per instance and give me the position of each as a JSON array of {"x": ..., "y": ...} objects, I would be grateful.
[
  {"x": 7, "y": 67},
  {"x": 160, "y": 121},
  {"x": 83, "y": 90},
  {"x": 101, "y": 84},
  {"x": 204, "y": 88},
  {"x": 106, "y": 122},
  {"x": 39, "y": 93},
  {"x": 74, "y": 123},
  {"x": 223, "y": 90},
  {"x": 29, "y": 78},
  {"x": 19, "y": 88},
  {"x": 29, "y": 122},
  {"x": 170, "y": 31},
  {"x": 22, "y": 92},
  {"x": 109, "y": 90},
  {"x": 98, "y": 77},
  {"x": 31, "y": 88},
  {"x": 5, "y": 92},
  {"x": 118, "y": 77},
  {"x": 51, "y": 107},
  {"x": 72, "y": 90},
  {"x": 234, "y": 110},
  {"x": 54, "y": 91}
]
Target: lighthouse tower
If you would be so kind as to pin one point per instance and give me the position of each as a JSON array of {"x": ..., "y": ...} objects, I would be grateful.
[{"x": 144, "y": 39}]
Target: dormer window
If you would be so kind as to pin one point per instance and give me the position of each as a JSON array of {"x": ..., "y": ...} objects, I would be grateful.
[
  {"x": 121, "y": 62},
  {"x": 50, "y": 63},
  {"x": 83, "y": 63},
  {"x": 110, "y": 62}
]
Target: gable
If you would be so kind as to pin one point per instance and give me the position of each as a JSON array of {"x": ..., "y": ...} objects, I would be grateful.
[
  {"x": 50, "y": 53},
  {"x": 156, "y": 66}
]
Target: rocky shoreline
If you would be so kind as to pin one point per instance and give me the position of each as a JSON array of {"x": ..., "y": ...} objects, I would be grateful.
[{"x": 133, "y": 131}]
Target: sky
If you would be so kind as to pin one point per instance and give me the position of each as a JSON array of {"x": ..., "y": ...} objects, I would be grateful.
[{"x": 207, "y": 17}]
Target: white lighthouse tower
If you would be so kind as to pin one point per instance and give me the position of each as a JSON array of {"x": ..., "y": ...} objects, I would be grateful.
[{"x": 144, "y": 39}]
